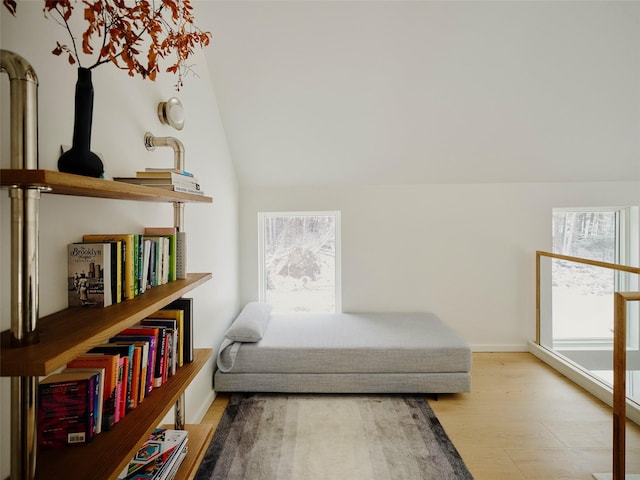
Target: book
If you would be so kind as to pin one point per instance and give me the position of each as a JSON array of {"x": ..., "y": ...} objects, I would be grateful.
[
  {"x": 110, "y": 365},
  {"x": 157, "y": 456},
  {"x": 126, "y": 352},
  {"x": 116, "y": 271},
  {"x": 164, "y": 340},
  {"x": 128, "y": 240},
  {"x": 160, "y": 269},
  {"x": 164, "y": 183},
  {"x": 171, "y": 174},
  {"x": 186, "y": 305},
  {"x": 153, "y": 263},
  {"x": 89, "y": 271},
  {"x": 134, "y": 371},
  {"x": 148, "y": 355},
  {"x": 163, "y": 169},
  {"x": 66, "y": 408},
  {"x": 170, "y": 233},
  {"x": 144, "y": 365},
  {"x": 180, "y": 188},
  {"x": 99, "y": 394},
  {"x": 117, "y": 267},
  {"x": 172, "y": 334},
  {"x": 158, "y": 351},
  {"x": 172, "y": 318},
  {"x": 146, "y": 264}
]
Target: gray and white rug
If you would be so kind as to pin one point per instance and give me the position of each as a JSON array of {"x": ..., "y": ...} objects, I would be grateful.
[{"x": 313, "y": 437}]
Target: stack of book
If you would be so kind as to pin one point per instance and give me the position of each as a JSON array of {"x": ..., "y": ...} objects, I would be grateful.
[
  {"x": 100, "y": 387},
  {"x": 105, "y": 269},
  {"x": 170, "y": 179},
  {"x": 159, "y": 457}
]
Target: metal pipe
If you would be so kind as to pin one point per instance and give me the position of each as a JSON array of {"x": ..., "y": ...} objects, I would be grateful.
[
  {"x": 24, "y": 267},
  {"x": 24, "y": 393},
  {"x": 23, "y": 87},
  {"x": 150, "y": 142},
  {"x": 24, "y": 201},
  {"x": 180, "y": 406}
]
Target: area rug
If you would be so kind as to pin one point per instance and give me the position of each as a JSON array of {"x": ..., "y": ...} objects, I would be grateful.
[{"x": 309, "y": 437}]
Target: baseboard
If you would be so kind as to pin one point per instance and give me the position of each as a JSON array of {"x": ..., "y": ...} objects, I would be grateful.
[
  {"x": 500, "y": 348},
  {"x": 579, "y": 376},
  {"x": 204, "y": 407},
  {"x": 609, "y": 476}
]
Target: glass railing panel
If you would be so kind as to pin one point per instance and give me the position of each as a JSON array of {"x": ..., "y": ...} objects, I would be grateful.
[{"x": 576, "y": 317}]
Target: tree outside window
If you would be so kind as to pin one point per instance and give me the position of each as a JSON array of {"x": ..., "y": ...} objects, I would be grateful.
[{"x": 299, "y": 261}]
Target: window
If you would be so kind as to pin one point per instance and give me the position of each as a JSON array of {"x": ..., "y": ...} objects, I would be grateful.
[
  {"x": 582, "y": 313},
  {"x": 299, "y": 261}
]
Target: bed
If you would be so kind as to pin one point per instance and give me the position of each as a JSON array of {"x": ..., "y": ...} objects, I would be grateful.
[{"x": 341, "y": 353}]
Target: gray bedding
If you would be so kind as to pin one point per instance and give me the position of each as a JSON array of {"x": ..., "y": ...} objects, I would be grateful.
[{"x": 350, "y": 352}]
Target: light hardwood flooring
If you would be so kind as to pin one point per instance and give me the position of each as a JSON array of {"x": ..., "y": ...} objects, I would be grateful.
[{"x": 523, "y": 420}]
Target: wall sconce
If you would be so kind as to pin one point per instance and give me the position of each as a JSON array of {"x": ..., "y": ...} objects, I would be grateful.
[{"x": 171, "y": 113}]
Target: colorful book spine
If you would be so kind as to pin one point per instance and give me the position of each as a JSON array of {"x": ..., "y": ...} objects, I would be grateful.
[
  {"x": 151, "y": 335},
  {"x": 171, "y": 348},
  {"x": 110, "y": 365},
  {"x": 174, "y": 319},
  {"x": 126, "y": 352},
  {"x": 169, "y": 233}
]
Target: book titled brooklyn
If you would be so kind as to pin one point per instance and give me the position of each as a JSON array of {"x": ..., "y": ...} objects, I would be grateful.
[{"x": 89, "y": 271}]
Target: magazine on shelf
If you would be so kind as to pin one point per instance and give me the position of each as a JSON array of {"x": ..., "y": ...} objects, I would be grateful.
[{"x": 157, "y": 456}]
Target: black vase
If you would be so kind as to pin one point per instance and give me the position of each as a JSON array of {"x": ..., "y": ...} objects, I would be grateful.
[{"x": 80, "y": 159}]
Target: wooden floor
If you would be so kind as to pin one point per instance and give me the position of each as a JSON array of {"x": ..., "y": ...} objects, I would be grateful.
[{"x": 523, "y": 420}]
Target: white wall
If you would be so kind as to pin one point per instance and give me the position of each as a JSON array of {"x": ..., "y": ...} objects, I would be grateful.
[
  {"x": 465, "y": 252},
  {"x": 124, "y": 109}
]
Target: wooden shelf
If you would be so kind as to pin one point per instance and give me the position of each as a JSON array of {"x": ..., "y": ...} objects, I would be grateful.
[
  {"x": 109, "y": 452},
  {"x": 78, "y": 185},
  {"x": 66, "y": 334}
]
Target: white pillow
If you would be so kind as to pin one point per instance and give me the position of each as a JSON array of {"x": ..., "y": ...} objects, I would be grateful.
[{"x": 250, "y": 325}]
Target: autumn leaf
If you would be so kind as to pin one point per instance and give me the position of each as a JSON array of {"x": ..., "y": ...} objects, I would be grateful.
[{"x": 134, "y": 36}]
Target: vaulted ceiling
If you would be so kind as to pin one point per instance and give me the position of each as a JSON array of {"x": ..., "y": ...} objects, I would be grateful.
[{"x": 393, "y": 92}]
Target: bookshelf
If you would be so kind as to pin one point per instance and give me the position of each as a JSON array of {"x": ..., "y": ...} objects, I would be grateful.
[
  {"x": 65, "y": 334},
  {"x": 77, "y": 185}
]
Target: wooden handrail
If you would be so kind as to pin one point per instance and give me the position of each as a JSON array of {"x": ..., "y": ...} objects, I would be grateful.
[
  {"x": 586, "y": 261},
  {"x": 619, "y": 352}
]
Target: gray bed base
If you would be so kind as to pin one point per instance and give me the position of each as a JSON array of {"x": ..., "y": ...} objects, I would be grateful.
[
  {"x": 343, "y": 382},
  {"x": 348, "y": 353}
]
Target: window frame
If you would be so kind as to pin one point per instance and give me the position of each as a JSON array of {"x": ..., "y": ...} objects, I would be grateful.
[{"x": 262, "y": 294}]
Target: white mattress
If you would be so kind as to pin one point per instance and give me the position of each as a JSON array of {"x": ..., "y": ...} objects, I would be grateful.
[{"x": 350, "y": 343}]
